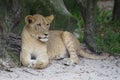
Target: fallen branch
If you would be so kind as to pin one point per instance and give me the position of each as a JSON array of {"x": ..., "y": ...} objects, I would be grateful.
[{"x": 14, "y": 42}]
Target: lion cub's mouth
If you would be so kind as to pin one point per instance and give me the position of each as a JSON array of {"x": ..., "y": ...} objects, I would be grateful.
[{"x": 43, "y": 39}]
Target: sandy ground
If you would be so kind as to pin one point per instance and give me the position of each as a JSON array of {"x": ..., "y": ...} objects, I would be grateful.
[{"x": 108, "y": 69}]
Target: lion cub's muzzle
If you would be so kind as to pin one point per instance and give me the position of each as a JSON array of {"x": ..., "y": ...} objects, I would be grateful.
[{"x": 43, "y": 39}]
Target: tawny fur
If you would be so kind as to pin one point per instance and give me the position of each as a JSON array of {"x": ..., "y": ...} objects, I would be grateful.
[{"x": 45, "y": 45}]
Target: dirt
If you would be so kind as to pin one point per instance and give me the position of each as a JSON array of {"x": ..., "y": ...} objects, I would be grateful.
[{"x": 108, "y": 69}]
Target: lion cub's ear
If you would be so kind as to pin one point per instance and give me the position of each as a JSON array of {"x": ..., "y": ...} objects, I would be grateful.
[
  {"x": 50, "y": 18},
  {"x": 29, "y": 19}
]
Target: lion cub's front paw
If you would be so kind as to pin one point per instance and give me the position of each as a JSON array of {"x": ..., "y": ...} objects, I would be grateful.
[
  {"x": 32, "y": 64},
  {"x": 70, "y": 62}
]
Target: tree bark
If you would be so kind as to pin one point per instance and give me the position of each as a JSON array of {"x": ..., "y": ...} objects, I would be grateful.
[
  {"x": 62, "y": 16},
  {"x": 1, "y": 41},
  {"x": 116, "y": 10},
  {"x": 15, "y": 43},
  {"x": 90, "y": 24},
  {"x": 11, "y": 15},
  {"x": 88, "y": 13}
]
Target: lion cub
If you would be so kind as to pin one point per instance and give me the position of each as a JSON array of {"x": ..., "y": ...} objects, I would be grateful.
[{"x": 43, "y": 45}]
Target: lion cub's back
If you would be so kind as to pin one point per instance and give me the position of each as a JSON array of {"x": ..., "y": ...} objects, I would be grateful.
[{"x": 55, "y": 44}]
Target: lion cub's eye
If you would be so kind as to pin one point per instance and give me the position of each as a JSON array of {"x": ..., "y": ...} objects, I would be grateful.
[
  {"x": 38, "y": 24},
  {"x": 47, "y": 24}
]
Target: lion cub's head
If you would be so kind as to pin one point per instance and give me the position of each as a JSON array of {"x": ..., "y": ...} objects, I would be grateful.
[{"x": 38, "y": 26}]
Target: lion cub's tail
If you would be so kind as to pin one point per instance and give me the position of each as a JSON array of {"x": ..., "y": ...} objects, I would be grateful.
[
  {"x": 73, "y": 45},
  {"x": 85, "y": 54}
]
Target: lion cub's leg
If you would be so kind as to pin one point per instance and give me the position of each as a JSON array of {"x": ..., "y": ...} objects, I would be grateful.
[
  {"x": 25, "y": 58},
  {"x": 41, "y": 62},
  {"x": 69, "y": 43}
]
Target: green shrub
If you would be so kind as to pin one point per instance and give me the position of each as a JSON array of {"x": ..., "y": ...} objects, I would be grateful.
[
  {"x": 107, "y": 32},
  {"x": 108, "y": 38}
]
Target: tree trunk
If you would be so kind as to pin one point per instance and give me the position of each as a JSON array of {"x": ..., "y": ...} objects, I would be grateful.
[
  {"x": 1, "y": 42},
  {"x": 88, "y": 13},
  {"x": 9, "y": 19},
  {"x": 63, "y": 18},
  {"x": 116, "y": 10},
  {"x": 90, "y": 24}
]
